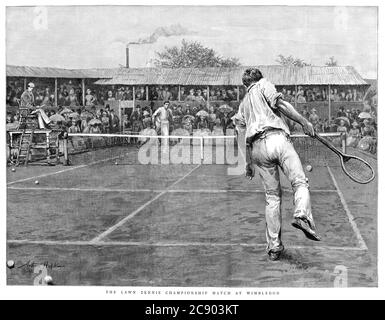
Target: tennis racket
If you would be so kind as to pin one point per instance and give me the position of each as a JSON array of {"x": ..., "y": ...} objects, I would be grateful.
[{"x": 354, "y": 167}]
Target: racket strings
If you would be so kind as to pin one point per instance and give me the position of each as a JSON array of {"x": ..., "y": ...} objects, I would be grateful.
[{"x": 358, "y": 169}]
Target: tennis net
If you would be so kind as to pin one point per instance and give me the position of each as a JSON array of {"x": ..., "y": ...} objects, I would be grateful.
[{"x": 197, "y": 148}]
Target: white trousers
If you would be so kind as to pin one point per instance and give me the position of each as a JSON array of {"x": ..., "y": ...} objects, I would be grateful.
[
  {"x": 42, "y": 118},
  {"x": 270, "y": 153}
]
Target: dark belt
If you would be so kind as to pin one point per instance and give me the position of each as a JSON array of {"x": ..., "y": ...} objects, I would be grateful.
[{"x": 261, "y": 135}]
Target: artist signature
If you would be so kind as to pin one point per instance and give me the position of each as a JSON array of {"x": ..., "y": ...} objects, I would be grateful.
[{"x": 30, "y": 265}]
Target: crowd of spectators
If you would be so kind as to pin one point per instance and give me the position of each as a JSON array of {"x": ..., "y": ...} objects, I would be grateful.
[
  {"x": 214, "y": 119},
  {"x": 360, "y": 126},
  {"x": 307, "y": 94},
  {"x": 169, "y": 93},
  {"x": 202, "y": 102},
  {"x": 70, "y": 93},
  {"x": 77, "y": 120}
]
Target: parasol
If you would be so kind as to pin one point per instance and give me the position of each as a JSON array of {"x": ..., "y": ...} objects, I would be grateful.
[
  {"x": 347, "y": 121},
  {"x": 94, "y": 122},
  {"x": 364, "y": 115},
  {"x": 57, "y": 118},
  {"x": 225, "y": 108},
  {"x": 188, "y": 118},
  {"x": 66, "y": 111},
  {"x": 202, "y": 113},
  {"x": 74, "y": 115}
]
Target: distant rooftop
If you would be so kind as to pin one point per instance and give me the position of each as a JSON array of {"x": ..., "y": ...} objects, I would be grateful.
[{"x": 279, "y": 75}]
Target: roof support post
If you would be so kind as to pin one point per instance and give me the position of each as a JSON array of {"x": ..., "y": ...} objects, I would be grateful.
[
  {"x": 147, "y": 95},
  {"x": 25, "y": 84},
  {"x": 83, "y": 92},
  {"x": 208, "y": 97},
  {"x": 238, "y": 94},
  {"x": 295, "y": 96},
  {"x": 330, "y": 102},
  {"x": 56, "y": 104},
  {"x": 179, "y": 93}
]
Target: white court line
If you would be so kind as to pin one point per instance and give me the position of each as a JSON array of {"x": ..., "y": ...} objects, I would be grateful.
[
  {"x": 159, "y": 190},
  {"x": 133, "y": 214},
  {"x": 357, "y": 232},
  {"x": 171, "y": 244},
  {"x": 64, "y": 170}
]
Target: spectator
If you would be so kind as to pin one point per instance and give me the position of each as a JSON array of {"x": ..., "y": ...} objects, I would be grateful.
[
  {"x": 105, "y": 122},
  {"x": 114, "y": 122},
  {"x": 191, "y": 96},
  {"x": 110, "y": 96},
  {"x": 199, "y": 98},
  {"x": 90, "y": 99},
  {"x": 313, "y": 117},
  {"x": 354, "y": 135},
  {"x": 341, "y": 112},
  {"x": 73, "y": 100},
  {"x": 305, "y": 112}
]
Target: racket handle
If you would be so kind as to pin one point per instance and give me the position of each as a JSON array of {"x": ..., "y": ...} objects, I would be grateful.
[{"x": 328, "y": 144}]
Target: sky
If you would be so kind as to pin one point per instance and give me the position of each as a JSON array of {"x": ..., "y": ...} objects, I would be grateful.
[{"x": 96, "y": 36}]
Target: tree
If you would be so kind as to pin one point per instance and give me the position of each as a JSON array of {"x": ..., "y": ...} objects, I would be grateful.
[
  {"x": 331, "y": 63},
  {"x": 291, "y": 61},
  {"x": 192, "y": 55}
]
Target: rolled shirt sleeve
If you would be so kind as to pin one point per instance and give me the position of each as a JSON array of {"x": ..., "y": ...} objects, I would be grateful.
[
  {"x": 270, "y": 93},
  {"x": 239, "y": 118}
]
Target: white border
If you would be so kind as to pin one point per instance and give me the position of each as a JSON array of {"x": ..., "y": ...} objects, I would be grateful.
[{"x": 100, "y": 292}]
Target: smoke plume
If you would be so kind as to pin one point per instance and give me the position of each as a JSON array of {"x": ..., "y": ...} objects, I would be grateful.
[{"x": 173, "y": 30}]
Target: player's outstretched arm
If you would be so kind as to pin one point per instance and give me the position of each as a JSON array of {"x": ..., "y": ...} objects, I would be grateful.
[{"x": 288, "y": 110}]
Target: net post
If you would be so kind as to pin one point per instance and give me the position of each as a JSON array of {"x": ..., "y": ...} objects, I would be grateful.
[
  {"x": 65, "y": 150},
  {"x": 343, "y": 140},
  {"x": 202, "y": 149}
]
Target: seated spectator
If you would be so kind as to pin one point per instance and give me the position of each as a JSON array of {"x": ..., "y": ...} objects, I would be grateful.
[
  {"x": 73, "y": 98},
  {"x": 223, "y": 96},
  {"x": 297, "y": 128},
  {"x": 230, "y": 95},
  {"x": 354, "y": 135},
  {"x": 166, "y": 94},
  {"x": 183, "y": 94},
  {"x": 90, "y": 99},
  {"x": 114, "y": 122},
  {"x": 349, "y": 96},
  {"x": 110, "y": 96},
  {"x": 368, "y": 142},
  {"x": 213, "y": 97},
  {"x": 305, "y": 112},
  {"x": 301, "y": 98},
  {"x": 199, "y": 98},
  {"x": 127, "y": 94},
  {"x": 336, "y": 96},
  {"x": 313, "y": 117},
  {"x": 191, "y": 96}
]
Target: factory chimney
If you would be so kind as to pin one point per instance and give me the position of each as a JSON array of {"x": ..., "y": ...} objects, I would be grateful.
[{"x": 128, "y": 56}]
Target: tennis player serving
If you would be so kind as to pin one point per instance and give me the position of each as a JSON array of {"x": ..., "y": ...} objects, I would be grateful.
[{"x": 268, "y": 147}]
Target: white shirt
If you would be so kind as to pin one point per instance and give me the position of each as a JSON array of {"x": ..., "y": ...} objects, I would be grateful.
[
  {"x": 258, "y": 112},
  {"x": 162, "y": 113}
]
